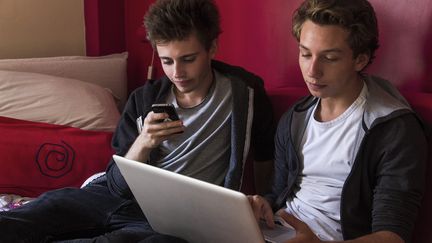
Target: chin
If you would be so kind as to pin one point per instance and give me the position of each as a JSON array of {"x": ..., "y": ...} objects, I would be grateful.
[
  {"x": 184, "y": 90},
  {"x": 319, "y": 93},
  {"x": 315, "y": 93}
]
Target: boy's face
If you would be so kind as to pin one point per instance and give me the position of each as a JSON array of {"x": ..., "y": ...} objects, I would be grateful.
[
  {"x": 327, "y": 63},
  {"x": 187, "y": 64}
]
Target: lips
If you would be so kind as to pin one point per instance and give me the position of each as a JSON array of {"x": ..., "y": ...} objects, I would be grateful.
[
  {"x": 315, "y": 86},
  {"x": 181, "y": 82}
]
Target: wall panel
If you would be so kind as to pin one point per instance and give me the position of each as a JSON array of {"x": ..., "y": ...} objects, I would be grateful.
[
  {"x": 257, "y": 35},
  {"x": 30, "y": 28}
]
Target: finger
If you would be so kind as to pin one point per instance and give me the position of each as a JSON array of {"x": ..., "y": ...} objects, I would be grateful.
[
  {"x": 268, "y": 217},
  {"x": 250, "y": 199},
  {"x": 164, "y": 128},
  {"x": 154, "y": 134},
  {"x": 267, "y": 213},
  {"x": 256, "y": 203},
  {"x": 165, "y": 134},
  {"x": 262, "y": 209},
  {"x": 172, "y": 124},
  {"x": 153, "y": 118},
  {"x": 170, "y": 128},
  {"x": 174, "y": 130}
]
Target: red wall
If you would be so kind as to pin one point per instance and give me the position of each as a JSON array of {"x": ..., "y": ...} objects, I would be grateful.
[
  {"x": 116, "y": 26},
  {"x": 140, "y": 51},
  {"x": 104, "y": 21},
  {"x": 251, "y": 38},
  {"x": 405, "y": 55},
  {"x": 256, "y": 35}
]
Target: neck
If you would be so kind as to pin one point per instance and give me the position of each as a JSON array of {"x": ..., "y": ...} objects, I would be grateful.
[
  {"x": 196, "y": 96},
  {"x": 332, "y": 107}
]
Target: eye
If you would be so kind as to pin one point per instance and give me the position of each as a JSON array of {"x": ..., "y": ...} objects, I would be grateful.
[
  {"x": 167, "y": 61},
  {"x": 189, "y": 59},
  {"x": 305, "y": 55},
  {"x": 330, "y": 58}
]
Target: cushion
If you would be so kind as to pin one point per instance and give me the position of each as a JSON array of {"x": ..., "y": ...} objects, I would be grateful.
[
  {"x": 37, "y": 157},
  {"x": 107, "y": 71},
  {"x": 57, "y": 100}
]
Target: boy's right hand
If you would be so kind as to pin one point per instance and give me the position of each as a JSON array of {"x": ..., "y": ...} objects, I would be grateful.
[
  {"x": 154, "y": 131},
  {"x": 262, "y": 209}
]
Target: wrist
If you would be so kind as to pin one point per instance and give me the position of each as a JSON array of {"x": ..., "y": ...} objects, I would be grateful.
[{"x": 138, "y": 151}]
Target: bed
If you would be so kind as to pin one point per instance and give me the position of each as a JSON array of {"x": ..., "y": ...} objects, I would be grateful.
[{"x": 57, "y": 118}]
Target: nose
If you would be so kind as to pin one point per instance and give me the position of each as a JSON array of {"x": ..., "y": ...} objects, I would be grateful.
[
  {"x": 314, "y": 69},
  {"x": 178, "y": 70}
]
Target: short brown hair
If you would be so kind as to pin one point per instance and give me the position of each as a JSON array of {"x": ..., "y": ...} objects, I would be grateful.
[
  {"x": 169, "y": 20},
  {"x": 356, "y": 16}
]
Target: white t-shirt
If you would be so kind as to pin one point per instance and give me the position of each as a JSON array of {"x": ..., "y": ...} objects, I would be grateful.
[{"x": 327, "y": 154}]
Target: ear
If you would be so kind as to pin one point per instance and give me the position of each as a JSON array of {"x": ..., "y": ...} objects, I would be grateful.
[
  {"x": 361, "y": 61},
  {"x": 213, "y": 49}
]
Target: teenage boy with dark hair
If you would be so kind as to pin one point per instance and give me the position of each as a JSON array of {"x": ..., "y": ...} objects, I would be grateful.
[
  {"x": 224, "y": 113},
  {"x": 350, "y": 157}
]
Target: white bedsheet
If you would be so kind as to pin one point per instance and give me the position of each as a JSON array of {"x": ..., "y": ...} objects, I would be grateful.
[{"x": 10, "y": 201}]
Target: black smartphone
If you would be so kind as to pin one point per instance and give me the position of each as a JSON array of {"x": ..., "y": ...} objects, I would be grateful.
[{"x": 166, "y": 108}]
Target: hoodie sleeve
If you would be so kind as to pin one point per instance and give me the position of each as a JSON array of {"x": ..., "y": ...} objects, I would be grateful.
[{"x": 125, "y": 134}]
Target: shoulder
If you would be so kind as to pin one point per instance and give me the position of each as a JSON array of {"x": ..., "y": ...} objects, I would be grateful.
[
  {"x": 152, "y": 89},
  {"x": 238, "y": 73},
  {"x": 404, "y": 124},
  {"x": 154, "y": 86},
  {"x": 144, "y": 96},
  {"x": 299, "y": 109}
]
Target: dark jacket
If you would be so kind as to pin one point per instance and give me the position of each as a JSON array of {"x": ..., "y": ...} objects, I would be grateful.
[
  {"x": 383, "y": 191},
  {"x": 252, "y": 124}
]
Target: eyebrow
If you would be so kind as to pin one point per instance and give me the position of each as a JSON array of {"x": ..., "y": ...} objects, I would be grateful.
[
  {"x": 325, "y": 51},
  {"x": 184, "y": 56}
]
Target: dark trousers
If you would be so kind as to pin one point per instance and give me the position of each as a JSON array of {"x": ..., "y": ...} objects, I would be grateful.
[{"x": 91, "y": 214}]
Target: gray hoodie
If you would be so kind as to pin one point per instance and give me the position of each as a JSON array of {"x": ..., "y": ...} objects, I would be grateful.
[{"x": 385, "y": 186}]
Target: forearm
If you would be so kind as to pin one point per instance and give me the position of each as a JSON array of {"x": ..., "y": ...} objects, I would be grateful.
[
  {"x": 305, "y": 234},
  {"x": 378, "y": 237},
  {"x": 138, "y": 152}
]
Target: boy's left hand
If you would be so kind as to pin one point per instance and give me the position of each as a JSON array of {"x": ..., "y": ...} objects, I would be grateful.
[{"x": 303, "y": 232}]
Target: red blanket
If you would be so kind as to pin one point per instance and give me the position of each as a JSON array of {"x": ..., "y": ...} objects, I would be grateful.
[{"x": 37, "y": 157}]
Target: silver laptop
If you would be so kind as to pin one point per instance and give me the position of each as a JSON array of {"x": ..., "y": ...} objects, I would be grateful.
[{"x": 194, "y": 210}]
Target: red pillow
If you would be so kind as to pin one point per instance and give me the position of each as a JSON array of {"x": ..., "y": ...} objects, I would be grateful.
[{"x": 37, "y": 157}]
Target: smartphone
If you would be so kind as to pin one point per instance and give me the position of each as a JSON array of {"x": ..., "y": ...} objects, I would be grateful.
[{"x": 166, "y": 108}]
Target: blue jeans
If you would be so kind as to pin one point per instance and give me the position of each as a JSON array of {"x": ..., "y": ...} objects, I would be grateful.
[{"x": 91, "y": 214}]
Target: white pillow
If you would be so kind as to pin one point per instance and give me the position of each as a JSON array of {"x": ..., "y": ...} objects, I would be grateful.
[
  {"x": 107, "y": 71},
  {"x": 57, "y": 100}
]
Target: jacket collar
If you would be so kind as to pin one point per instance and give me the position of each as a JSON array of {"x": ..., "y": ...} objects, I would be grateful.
[{"x": 383, "y": 102}]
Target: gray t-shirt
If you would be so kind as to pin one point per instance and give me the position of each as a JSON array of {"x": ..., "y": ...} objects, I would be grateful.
[{"x": 203, "y": 150}]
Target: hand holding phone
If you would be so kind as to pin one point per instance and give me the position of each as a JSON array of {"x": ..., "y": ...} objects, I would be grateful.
[{"x": 166, "y": 108}]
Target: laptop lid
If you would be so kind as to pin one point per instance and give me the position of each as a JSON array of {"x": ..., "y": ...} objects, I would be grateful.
[{"x": 188, "y": 208}]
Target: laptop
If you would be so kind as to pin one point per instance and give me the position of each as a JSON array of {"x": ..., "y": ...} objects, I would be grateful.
[{"x": 194, "y": 210}]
